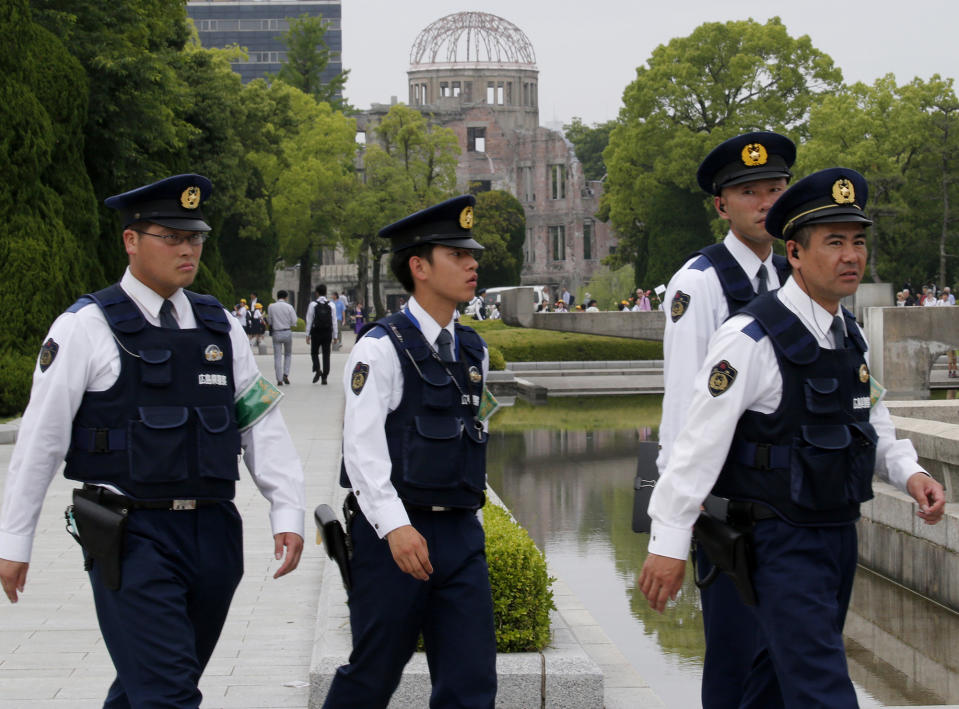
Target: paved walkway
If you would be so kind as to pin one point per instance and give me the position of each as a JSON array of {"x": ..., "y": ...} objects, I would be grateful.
[{"x": 51, "y": 652}]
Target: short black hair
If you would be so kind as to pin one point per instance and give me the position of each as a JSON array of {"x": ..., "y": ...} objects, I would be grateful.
[
  {"x": 400, "y": 263},
  {"x": 281, "y": 294},
  {"x": 320, "y": 289}
]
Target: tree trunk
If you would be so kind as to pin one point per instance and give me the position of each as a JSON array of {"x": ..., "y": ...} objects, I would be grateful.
[
  {"x": 945, "y": 223},
  {"x": 377, "y": 295},
  {"x": 305, "y": 288},
  {"x": 362, "y": 272}
]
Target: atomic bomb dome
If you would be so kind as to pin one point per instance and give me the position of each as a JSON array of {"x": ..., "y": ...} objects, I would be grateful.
[{"x": 472, "y": 37}]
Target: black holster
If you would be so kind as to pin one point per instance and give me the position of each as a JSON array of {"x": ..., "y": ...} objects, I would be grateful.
[
  {"x": 335, "y": 540},
  {"x": 729, "y": 549},
  {"x": 101, "y": 527}
]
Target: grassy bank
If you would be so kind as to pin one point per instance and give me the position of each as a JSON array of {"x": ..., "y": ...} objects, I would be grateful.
[{"x": 581, "y": 413}]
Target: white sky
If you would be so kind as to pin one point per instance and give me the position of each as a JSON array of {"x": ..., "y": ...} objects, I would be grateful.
[{"x": 587, "y": 51}]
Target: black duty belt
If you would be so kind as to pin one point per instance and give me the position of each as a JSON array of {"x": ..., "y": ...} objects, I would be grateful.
[
  {"x": 741, "y": 511},
  {"x": 177, "y": 504},
  {"x": 429, "y": 508}
]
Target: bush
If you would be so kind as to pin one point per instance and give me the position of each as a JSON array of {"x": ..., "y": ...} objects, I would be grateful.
[
  {"x": 300, "y": 325},
  {"x": 16, "y": 376},
  {"x": 522, "y": 593},
  {"x": 497, "y": 361}
]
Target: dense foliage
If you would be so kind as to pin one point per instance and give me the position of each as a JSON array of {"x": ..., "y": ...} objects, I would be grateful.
[
  {"x": 518, "y": 344},
  {"x": 500, "y": 226}
]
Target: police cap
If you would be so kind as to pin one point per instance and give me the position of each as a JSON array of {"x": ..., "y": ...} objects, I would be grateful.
[
  {"x": 448, "y": 223},
  {"x": 173, "y": 202},
  {"x": 834, "y": 195},
  {"x": 760, "y": 155}
]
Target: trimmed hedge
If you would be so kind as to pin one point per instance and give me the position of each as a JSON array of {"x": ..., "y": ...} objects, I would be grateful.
[
  {"x": 497, "y": 361},
  {"x": 522, "y": 593},
  {"x": 521, "y": 344}
]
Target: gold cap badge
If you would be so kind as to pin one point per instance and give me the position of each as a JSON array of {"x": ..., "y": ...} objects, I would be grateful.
[
  {"x": 843, "y": 192},
  {"x": 466, "y": 218},
  {"x": 190, "y": 199},
  {"x": 754, "y": 154},
  {"x": 212, "y": 353}
]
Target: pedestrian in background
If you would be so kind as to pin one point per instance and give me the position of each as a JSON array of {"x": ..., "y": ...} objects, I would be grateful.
[
  {"x": 282, "y": 321},
  {"x": 321, "y": 331},
  {"x": 339, "y": 306}
]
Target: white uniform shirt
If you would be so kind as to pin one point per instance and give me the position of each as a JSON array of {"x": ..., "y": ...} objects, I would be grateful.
[
  {"x": 702, "y": 444},
  {"x": 365, "y": 451},
  {"x": 685, "y": 341},
  {"x": 311, "y": 312},
  {"x": 88, "y": 360}
]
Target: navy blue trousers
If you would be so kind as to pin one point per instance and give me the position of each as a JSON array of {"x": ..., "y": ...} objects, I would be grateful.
[
  {"x": 803, "y": 582},
  {"x": 179, "y": 572},
  {"x": 389, "y": 609},
  {"x": 736, "y": 655}
]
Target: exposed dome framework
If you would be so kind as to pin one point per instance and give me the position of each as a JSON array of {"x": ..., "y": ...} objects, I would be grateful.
[{"x": 467, "y": 37}]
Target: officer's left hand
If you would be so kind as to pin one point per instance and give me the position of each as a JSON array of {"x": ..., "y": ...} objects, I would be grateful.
[
  {"x": 661, "y": 579},
  {"x": 294, "y": 547},
  {"x": 930, "y": 496}
]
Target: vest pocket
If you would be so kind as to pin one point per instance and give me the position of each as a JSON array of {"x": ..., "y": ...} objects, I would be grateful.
[
  {"x": 157, "y": 444},
  {"x": 435, "y": 453},
  {"x": 156, "y": 369},
  {"x": 822, "y": 395},
  {"x": 832, "y": 466},
  {"x": 217, "y": 443},
  {"x": 438, "y": 397}
]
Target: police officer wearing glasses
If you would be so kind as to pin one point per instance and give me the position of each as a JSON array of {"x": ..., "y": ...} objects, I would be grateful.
[
  {"x": 150, "y": 392},
  {"x": 786, "y": 423},
  {"x": 414, "y": 453}
]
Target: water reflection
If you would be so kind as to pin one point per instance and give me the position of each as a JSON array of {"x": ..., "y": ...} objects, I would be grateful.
[{"x": 573, "y": 491}]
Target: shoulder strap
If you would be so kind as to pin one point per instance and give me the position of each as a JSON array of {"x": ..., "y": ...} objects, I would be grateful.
[
  {"x": 852, "y": 329},
  {"x": 120, "y": 311},
  {"x": 783, "y": 269},
  {"x": 788, "y": 334},
  {"x": 209, "y": 311},
  {"x": 734, "y": 281}
]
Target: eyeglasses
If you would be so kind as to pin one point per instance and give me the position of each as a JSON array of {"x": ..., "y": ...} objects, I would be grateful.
[{"x": 195, "y": 238}]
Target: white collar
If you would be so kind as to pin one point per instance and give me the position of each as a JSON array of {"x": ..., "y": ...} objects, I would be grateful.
[
  {"x": 816, "y": 318},
  {"x": 746, "y": 258},
  {"x": 428, "y": 326},
  {"x": 149, "y": 301}
]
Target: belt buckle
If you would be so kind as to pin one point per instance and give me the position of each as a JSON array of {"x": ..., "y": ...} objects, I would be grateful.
[
  {"x": 439, "y": 508},
  {"x": 184, "y": 504}
]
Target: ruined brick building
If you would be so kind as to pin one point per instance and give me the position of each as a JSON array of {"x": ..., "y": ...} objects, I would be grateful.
[{"x": 476, "y": 74}]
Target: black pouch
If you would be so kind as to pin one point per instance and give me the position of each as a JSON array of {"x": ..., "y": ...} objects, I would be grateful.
[
  {"x": 101, "y": 529},
  {"x": 730, "y": 551}
]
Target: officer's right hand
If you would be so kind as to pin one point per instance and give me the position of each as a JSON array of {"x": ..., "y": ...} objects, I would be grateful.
[
  {"x": 410, "y": 552},
  {"x": 13, "y": 577}
]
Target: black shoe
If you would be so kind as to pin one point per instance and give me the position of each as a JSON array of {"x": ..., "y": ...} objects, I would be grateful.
[
  {"x": 286, "y": 379},
  {"x": 279, "y": 382},
  {"x": 324, "y": 380},
  {"x": 315, "y": 377}
]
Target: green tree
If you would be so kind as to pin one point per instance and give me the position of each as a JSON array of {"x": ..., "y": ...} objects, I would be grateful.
[
  {"x": 500, "y": 226},
  {"x": 693, "y": 93},
  {"x": 589, "y": 143},
  {"x": 410, "y": 165},
  {"x": 307, "y": 58},
  {"x": 46, "y": 201}
]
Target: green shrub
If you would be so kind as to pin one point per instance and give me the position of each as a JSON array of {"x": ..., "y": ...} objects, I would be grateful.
[
  {"x": 522, "y": 593},
  {"x": 497, "y": 361},
  {"x": 300, "y": 325},
  {"x": 16, "y": 375}
]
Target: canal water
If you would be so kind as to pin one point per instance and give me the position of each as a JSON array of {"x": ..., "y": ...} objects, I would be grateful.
[{"x": 566, "y": 472}]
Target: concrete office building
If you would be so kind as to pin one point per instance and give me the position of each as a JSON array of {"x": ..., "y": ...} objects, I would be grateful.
[{"x": 257, "y": 25}]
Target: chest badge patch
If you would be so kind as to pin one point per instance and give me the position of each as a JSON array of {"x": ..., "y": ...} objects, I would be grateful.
[
  {"x": 679, "y": 306},
  {"x": 863, "y": 373},
  {"x": 475, "y": 375},
  {"x": 721, "y": 377},
  {"x": 212, "y": 353},
  {"x": 358, "y": 379},
  {"x": 48, "y": 353}
]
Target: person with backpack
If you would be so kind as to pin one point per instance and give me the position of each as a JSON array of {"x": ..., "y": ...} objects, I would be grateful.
[{"x": 321, "y": 330}]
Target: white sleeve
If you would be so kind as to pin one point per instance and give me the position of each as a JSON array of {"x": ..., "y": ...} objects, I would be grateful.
[
  {"x": 309, "y": 316},
  {"x": 268, "y": 450},
  {"x": 703, "y": 442},
  {"x": 701, "y": 308},
  {"x": 373, "y": 385}
]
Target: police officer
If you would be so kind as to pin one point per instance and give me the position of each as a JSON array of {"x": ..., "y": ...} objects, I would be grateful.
[
  {"x": 414, "y": 453},
  {"x": 150, "y": 392},
  {"x": 781, "y": 422},
  {"x": 745, "y": 175}
]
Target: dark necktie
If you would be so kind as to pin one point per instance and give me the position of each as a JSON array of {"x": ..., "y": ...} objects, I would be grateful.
[
  {"x": 444, "y": 345},
  {"x": 762, "y": 276},
  {"x": 166, "y": 316},
  {"x": 838, "y": 333}
]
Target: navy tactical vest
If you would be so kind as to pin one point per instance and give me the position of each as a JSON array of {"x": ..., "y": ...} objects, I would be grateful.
[
  {"x": 167, "y": 427},
  {"x": 437, "y": 451},
  {"x": 735, "y": 283},
  {"x": 812, "y": 460}
]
